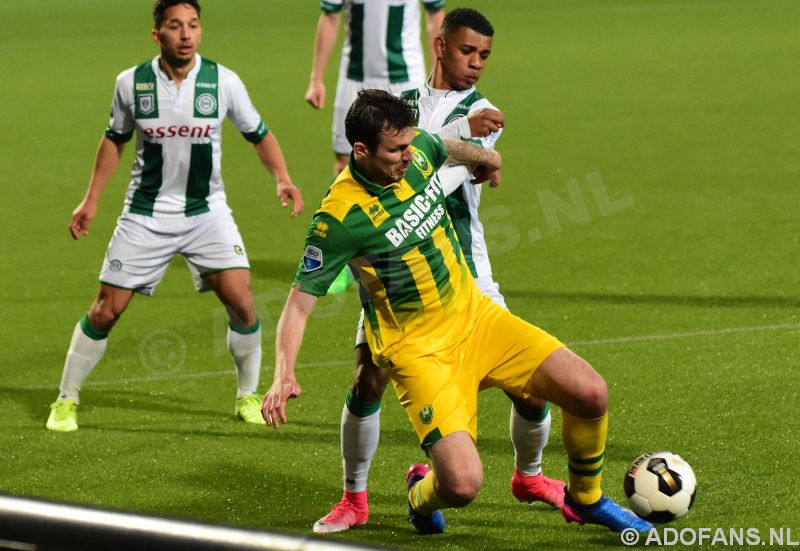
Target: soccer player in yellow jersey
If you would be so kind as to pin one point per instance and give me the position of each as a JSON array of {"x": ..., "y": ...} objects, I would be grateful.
[
  {"x": 439, "y": 338},
  {"x": 448, "y": 105}
]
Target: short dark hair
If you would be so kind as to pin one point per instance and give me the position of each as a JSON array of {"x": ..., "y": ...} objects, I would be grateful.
[
  {"x": 163, "y": 5},
  {"x": 373, "y": 112},
  {"x": 469, "y": 18}
]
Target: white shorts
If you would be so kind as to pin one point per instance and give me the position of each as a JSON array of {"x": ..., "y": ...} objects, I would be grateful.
[
  {"x": 142, "y": 246},
  {"x": 487, "y": 285},
  {"x": 346, "y": 92}
]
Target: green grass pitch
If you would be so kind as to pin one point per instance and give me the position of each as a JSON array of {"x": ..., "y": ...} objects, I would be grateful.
[{"x": 647, "y": 217}]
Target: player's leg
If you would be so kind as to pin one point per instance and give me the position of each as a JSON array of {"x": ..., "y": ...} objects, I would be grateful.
[
  {"x": 216, "y": 257},
  {"x": 360, "y": 431},
  {"x": 529, "y": 426},
  {"x": 346, "y": 92},
  {"x": 569, "y": 381},
  {"x": 439, "y": 393},
  {"x": 86, "y": 349},
  {"x": 232, "y": 287},
  {"x": 135, "y": 261},
  {"x": 528, "y": 361}
]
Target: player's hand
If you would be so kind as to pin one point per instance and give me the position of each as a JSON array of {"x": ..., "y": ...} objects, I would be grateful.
[
  {"x": 483, "y": 173},
  {"x": 485, "y": 121},
  {"x": 289, "y": 192},
  {"x": 82, "y": 218},
  {"x": 273, "y": 405},
  {"x": 315, "y": 95}
]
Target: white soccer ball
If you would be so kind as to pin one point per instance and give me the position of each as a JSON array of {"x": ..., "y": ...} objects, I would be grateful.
[{"x": 660, "y": 486}]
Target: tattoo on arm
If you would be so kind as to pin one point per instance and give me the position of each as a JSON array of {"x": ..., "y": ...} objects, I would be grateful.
[{"x": 464, "y": 152}]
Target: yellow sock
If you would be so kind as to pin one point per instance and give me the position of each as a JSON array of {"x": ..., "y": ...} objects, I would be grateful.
[
  {"x": 423, "y": 497},
  {"x": 585, "y": 442}
]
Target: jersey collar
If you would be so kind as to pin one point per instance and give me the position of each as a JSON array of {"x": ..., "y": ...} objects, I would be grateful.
[
  {"x": 428, "y": 89},
  {"x": 156, "y": 64},
  {"x": 372, "y": 187}
]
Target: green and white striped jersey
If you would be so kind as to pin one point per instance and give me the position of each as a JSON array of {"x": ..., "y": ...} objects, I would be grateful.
[
  {"x": 436, "y": 109},
  {"x": 177, "y": 170},
  {"x": 382, "y": 42}
]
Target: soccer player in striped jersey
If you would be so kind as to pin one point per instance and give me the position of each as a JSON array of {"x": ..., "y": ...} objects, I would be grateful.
[
  {"x": 440, "y": 339},
  {"x": 175, "y": 204},
  {"x": 448, "y": 105},
  {"x": 382, "y": 49}
]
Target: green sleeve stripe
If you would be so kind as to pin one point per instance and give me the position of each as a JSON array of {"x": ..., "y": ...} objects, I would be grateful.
[
  {"x": 434, "y": 5},
  {"x": 329, "y": 7},
  {"x": 258, "y": 134},
  {"x": 116, "y": 137}
]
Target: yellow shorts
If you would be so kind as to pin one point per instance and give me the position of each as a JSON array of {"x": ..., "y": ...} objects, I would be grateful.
[{"x": 439, "y": 391}]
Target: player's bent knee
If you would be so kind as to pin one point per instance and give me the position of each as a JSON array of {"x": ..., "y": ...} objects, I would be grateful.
[
  {"x": 594, "y": 398},
  {"x": 103, "y": 317},
  {"x": 461, "y": 490}
]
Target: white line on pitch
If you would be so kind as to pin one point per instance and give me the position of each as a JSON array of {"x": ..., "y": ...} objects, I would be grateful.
[
  {"x": 592, "y": 342},
  {"x": 689, "y": 334}
]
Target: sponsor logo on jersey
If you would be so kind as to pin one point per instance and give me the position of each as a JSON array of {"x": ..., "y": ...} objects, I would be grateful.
[
  {"x": 426, "y": 414},
  {"x": 312, "y": 258},
  {"x": 205, "y": 104},
  {"x": 420, "y": 160},
  {"x": 321, "y": 229},
  {"x": 147, "y": 103},
  {"x": 422, "y": 215},
  {"x": 238, "y": 250},
  {"x": 115, "y": 265},
  {"x": 212, "y": 85},
  {"x": 145, "y": 86},
  {"x": 175, "y": 131}
]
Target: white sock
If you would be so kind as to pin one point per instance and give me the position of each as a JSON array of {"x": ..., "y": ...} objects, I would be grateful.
[
  {"x": 246, "y": 352},
  {"x": 529, "y": 439},
  {"x": 84, "y": 353},
  {"x": 359, "y": 444}
]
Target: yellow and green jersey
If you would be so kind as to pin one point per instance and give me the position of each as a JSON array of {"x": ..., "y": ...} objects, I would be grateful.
[{"x": 416, "y": 289}]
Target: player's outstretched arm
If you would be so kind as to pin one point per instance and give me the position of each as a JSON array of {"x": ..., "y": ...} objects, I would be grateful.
[
  {"x": 324, "y": 41},
  {"x": 106, "y": 162},
  {"x": 464, "y": 152},
  {"x": 291, "y": 327},
  {"x": 269, "y": 151}
]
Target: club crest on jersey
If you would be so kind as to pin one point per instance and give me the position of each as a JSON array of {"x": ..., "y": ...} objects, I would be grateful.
[
  {"x": 420, "y": 160},
  {"x": 205, "y": 103},
  {"x": 312, "y": 258},
  {"x": 426, "y": 414},
  {"x": 146, "y": 103}
]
